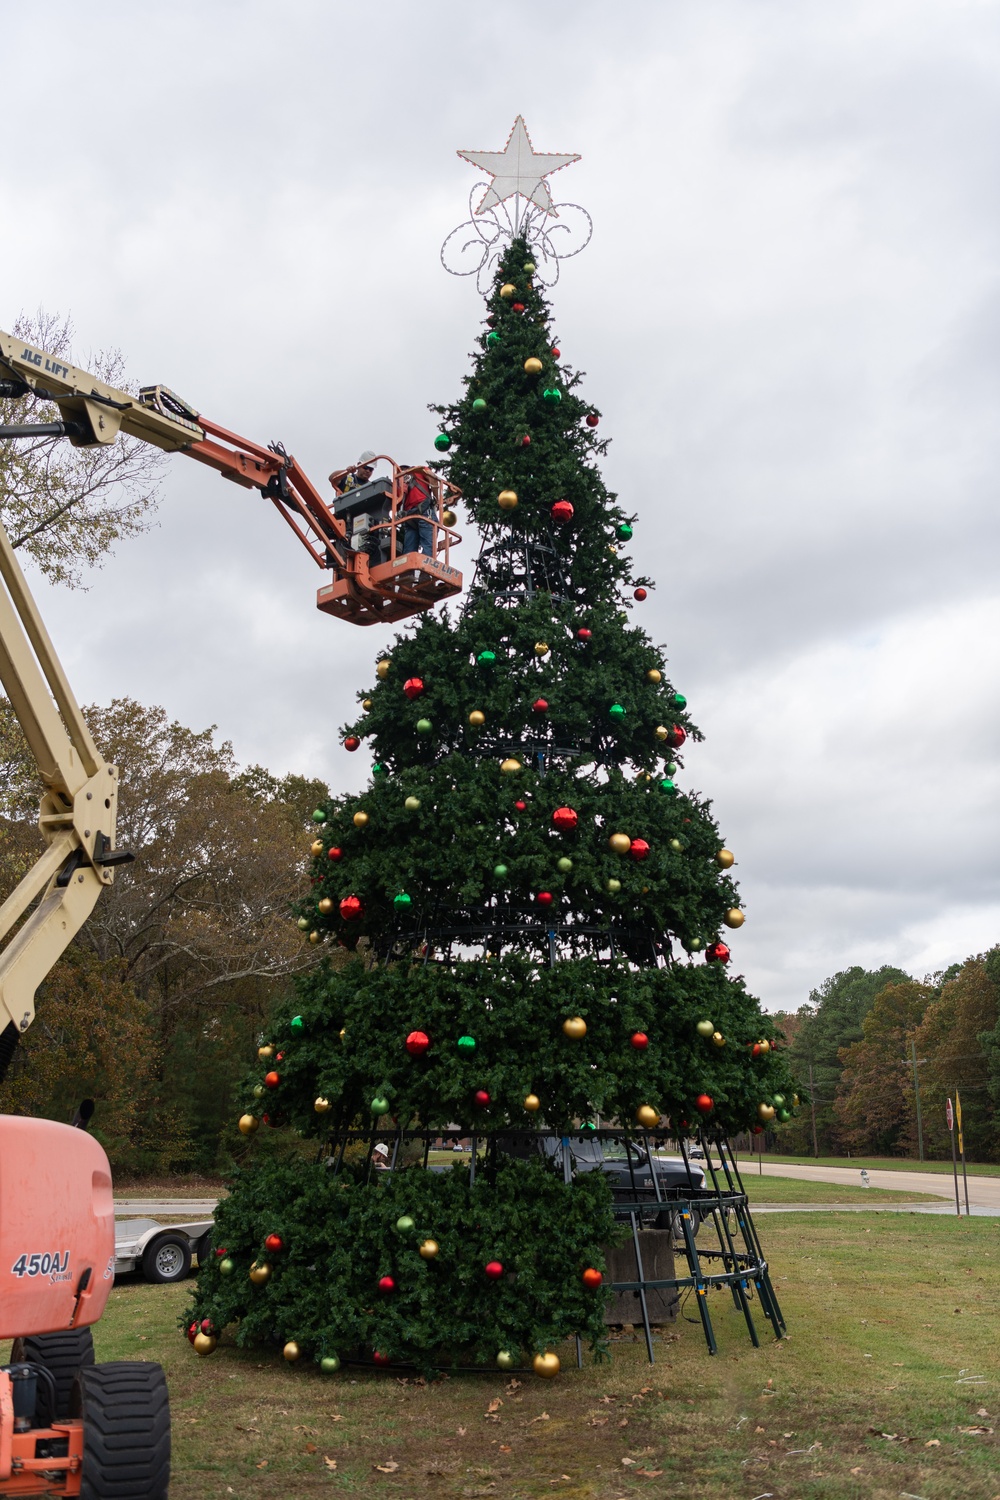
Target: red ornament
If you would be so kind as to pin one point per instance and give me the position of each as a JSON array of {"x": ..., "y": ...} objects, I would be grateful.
[
  {"x": 555, "y": 352},
  {"x": 221, "y": 1253},
  {"x": 565, "y": 819},
  {"x": 562, "y": 512},
  {"x": 755, "y": 1049},
  {"x": 639, "y": 849},
  {"x": 704, "y": 1104},
  {"x": 717, "y": 953},
  {"x": 583, "y": 634},
  {"x": 351, "y": 908},
  {"x": 482, "y": 1098},
  {"x": 640, "y": 1041},
  {"x": 386, "y": 1284},
  {"x": 280, "y": 1057},
  {"x": 494, "y": 1270},
  {"x": 521, "y": 806},
  {"x": 639, "y": 594},
  {"x": 352, "y": 742},
  {"x": 544, "y": 898},
  {"x": 518, "y": 307},
  {"x": 192, "y": 1331},
  {"x": 591, "y": 1278},
  {"x": 271, "y": 1080},
  {"x": 676, "y": 737},
  {"x": 274, "y": 1243},
  {"x": 380, "y": 1359},
  {"x": 417, "y": 1043},
  {"x": 592, "y": 419},
  {"x": 526, "y": 441},
  {"x": 336, "y": 854},
  {"x": 540, "y": 706},
  {"x": 758, "y": 1130},
  {"x": 413, "y": 687}
]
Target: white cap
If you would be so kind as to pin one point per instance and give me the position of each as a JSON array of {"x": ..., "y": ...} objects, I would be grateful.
[
  {"x": 381, "y": 1149},
  {"x": 367, "y": 457}
]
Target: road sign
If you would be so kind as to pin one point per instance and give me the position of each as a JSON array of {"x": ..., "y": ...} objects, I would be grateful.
[{"x": 949, "y": 1114}]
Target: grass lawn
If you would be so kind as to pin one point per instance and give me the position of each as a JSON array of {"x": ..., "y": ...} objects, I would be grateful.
[
  {"x": 887, "y": 1386},
  {"x": 872, "y": 1163},
  {"x": 792, "y": 1190}
]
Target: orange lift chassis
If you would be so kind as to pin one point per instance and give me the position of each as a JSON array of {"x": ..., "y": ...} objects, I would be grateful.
[{"x": 69, "y": 1426}]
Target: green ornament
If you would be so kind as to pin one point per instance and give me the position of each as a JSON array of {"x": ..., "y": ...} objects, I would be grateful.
[
  {"x": 694, "y": 944},
  {"x": 329, "y": 1364},
  {"x": 672, "y": 768},
  {"x": 424, "y": 726},
  {"x": 552, "y": 395},
  {"x": 479, "y": 404},
  {"x": 442, "y": 442},
  {"x": 319, "y": 816},
  {"x": 667, "y": 786},
  {"x": 298, "y": 1024},
  {"x": 405, "y": 1225},
  {"x": 304, "y": 924},
  {"x": 500, "y": 872},
  {"x": 401, "y": 901},
  {"x": 258, "y": 1091},
  {"x": 678, "y": 700},
  {"x": 705, "y": 1028},
  {"x": 677, "y": 846},
  {"x": 379, "y": 770},
  {"x": 486, "y": 658},
  {"x": 227, "y": 1266},
  {"x": 493, "y": 338},
  {"x": 564, "y": 864},
  {"x": 778, "y": 1101},
  {"x": 614, "y": 886},
  {"x": 625, "y": 531},
  {"x": 784, "y": 1115},
  {"x": 616, "y": 712},
  {"x": 380, "y": 1106},
  {"x": 505, "y": 1360},
  {"x": 529, "y": 266},
  {"x": 466, "y": 1044}
]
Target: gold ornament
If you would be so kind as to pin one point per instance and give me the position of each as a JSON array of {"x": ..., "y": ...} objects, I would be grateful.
[
  {"x": 366, "y": 704},
  {"x": 325, "y": 905},
  {"x": 765, "y": 1046},
  {"x": 265, "y": 1052},
  {"x": 532, "y": 366},
  {"x": 718, "y": 1039},
  {"x": 477, "y": 719},
  {"x": 507, "y": 499},
  {"x": 734, "y": 917},
  {"x": 291, "y": 1351},
  {"x": 248, "y": 1124},
  {"x": 677, "y": 846},
  {"x": 508, "y": 767},
  {"x": 648, "y": 1116},
  {"x": 343, "y": 1032},
  {"x": 575, "y": 1027},
  {"x": 412, "y": 804},
  {"x": 620, "y": 843},
  {"x": 614, "y": 886},
  {"x": 448, "y": 517},
  {"x": 546, "y": 1365},
  {"x": 260, "y": 1273},
  {"x": 705, "y": 1028},
  {"x": 360, "y": 820},
  {"x": 725, "y": 859},
  {"x": 314, "y": 937},
  {"x": 204, "y": 1343},
  {"x": 321, "y": 1106},
  {"x": 382, "y": 670},
  {"x": 765, "y": 1112},
  {"x": 541, "y": 648},
  {"x": 613, "y": 551},
  {"x": 532, "y": 1103},
  {"x": 508, "y": 289},
  {"x": 654, "y": 675},
  {"x": 662, "y": 731},
  {"x": 429, "y": 1249},
  {"x": 316, "y": 848},
  {"x": 795, "y": 1101}
]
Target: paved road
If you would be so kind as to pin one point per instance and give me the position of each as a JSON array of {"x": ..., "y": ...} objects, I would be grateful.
[
  {"x": 149, "y": 1208},
  {"x": 984, "y": 1192}
]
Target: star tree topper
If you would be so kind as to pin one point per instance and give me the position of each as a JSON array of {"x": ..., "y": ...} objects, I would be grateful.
[{"x": 517, "y": 170}]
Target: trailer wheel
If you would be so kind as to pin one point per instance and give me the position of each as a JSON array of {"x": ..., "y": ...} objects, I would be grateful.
[
  {"x": 62, "y": 1354},
  {"x": 167, "y": 1258},
  {"x": 203, "y": 1248},
  {"x": 126, "y": 1431}
]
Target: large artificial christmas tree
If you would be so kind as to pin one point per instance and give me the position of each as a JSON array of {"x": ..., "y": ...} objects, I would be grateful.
[{"x": 535, "y": 909}]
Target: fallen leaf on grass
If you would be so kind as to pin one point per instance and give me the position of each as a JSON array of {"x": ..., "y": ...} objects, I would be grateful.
[
  {"x": 462, "y": 1431},
  {"x": 263, "y": 1464},
  {"x": 857, "y": 1470},
  {"x": 311, "y": 1448},
  {"x": 623, "y": 1422},
  {"x": 504, "y": 1448},
  {"x": 331, "y": 1463},
  {"x": 982, "y": 1412},
  {"x": 976, "y": 1431},
  {"x": 387, "y": 1468},
  {"x": 649, "y": 1473},
  {"x": 336, "y": 1417},
  {"x": 512, "y": 1385},
  {"x": 254, "y": 1430},
  {"x": 598, "y": 1422},
  {"x": 495, "y": 1404},
  {"x": 543, "y": 1418},
  {"x": 933, "y": 1443},
  {"x": 762, "y": 1429},
  {"x": 309, "y": 1431}
]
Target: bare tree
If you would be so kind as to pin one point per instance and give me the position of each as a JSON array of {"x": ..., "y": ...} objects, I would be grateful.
[{"x": 66, "y": 507}]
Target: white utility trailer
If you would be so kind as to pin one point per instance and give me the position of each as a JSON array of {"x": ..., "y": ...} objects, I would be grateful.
[{"x": 162, "y": 1252}]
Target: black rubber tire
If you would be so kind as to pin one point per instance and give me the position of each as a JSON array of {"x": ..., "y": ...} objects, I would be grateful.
[
  {"x": 126, "y": 1431},
  {"x": 167, "y": 1258},
  {"x": 203, "y": 1248},
  {"x": 62, "y": 1354}
]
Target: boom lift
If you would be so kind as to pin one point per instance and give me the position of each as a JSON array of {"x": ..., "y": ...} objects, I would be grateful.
[{"x": 68, "y": 1426}]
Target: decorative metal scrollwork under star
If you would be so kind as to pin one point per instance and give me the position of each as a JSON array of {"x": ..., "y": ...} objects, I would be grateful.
[{"x": 516, "y": 201}]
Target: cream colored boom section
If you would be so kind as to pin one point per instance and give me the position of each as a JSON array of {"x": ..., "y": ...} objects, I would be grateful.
[
  {"x": 156, "y": 415},
  {"x": 78, "y": 807}
]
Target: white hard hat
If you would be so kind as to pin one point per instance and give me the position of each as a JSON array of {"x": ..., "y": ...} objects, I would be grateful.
[
  {"x": 381, "y": 1149},
  {"x": 367, "y": 457}
]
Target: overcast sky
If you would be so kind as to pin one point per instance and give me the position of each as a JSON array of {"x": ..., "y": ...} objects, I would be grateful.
[{"x": 789, "y": 315}]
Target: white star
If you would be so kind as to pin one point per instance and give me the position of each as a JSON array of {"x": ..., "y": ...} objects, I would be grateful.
[{"x": 518, "y": 168}]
